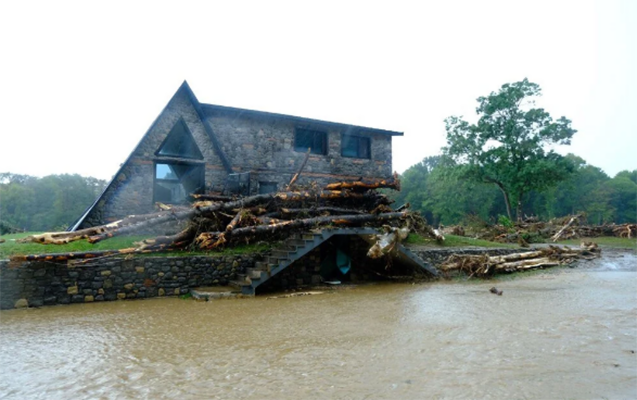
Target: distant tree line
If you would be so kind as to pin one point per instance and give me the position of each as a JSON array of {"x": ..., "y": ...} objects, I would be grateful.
[
  {"x": 502, "y": 168},
  {"x": 43, "y": 204},
  {"x": 441, "y": 191}
]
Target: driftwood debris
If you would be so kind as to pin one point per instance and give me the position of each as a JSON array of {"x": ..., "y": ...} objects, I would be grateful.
[
  {"x": 387, "y": 242},
  {"x": 298, "y": 173},
  {"x": 363, "y": 185},
  {"x": 213, "y": 222},
  {"x": 534, "y": 231},
  {"x": 483, "y": 265},
  {"x": 495, "y": 290},
  {"x": 559, "y": 233},
  {"x": 295, "y": 294}
]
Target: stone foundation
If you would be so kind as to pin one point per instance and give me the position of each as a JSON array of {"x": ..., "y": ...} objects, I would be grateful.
[{"x": 34, "y": 284}]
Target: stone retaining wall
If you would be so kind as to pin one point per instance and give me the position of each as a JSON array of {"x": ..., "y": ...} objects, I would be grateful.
[{"x": 34, "y": 284}]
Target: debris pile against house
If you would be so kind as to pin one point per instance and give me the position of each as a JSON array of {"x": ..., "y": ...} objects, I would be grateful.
[
  {"x": 482, "y": 266},
  {"x": 532, "y": 230},
  {"x": 215, "y": 222}
]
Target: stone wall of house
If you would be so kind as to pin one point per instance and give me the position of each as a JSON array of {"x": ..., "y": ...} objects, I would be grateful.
[
  {"x": 265, "y": 146},
  {"x": 257, "y": 143},
  {"x": 131, "y": 190},
  {"x": 35, "y": 284}
]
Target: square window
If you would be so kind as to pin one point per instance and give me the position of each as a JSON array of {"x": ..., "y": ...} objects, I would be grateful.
[
  {"x": 356, "y": 146},
  {"x": 174, "y": 182},
  {"x": 267, "y": 187},
  {"x": 315, "y": 140}
]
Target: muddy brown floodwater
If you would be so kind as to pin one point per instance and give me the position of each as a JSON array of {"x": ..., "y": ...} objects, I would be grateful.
[{"x": 558, "y": 334}]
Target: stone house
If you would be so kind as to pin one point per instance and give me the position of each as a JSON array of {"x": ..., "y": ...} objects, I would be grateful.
[{"x": 193, "y": 148}]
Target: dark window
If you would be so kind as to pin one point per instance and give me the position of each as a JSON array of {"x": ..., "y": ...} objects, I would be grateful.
[
  {"x": 173, "y": 182},
  {"x": 267, "y": 187},
  {"x": 180, "y": 143},
  {"x": 315, "y": 140},
  {"x": 238, "y": 184},
  {"x": 355, "y": 146}
]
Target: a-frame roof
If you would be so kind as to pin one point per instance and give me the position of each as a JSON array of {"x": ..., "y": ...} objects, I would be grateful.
[{"x": 206, "y": 111}]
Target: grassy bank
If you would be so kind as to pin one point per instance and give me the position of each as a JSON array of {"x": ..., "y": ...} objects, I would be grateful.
[
  {"x": 615, "y": 242},
  {"x": 11, "y": 247},
  {"x": 452, "y": 241}
]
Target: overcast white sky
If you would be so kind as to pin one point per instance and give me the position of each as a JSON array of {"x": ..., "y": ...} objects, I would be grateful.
[{"x": 81, "y": 83}]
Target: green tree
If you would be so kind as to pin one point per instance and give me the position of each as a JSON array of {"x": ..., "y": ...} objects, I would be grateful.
[
  {"x": 415, "y": 185},
  {"x": 506, "y": 147},
  {"x": 435, "y": 189},
  {"x": 623, "y": 198}
]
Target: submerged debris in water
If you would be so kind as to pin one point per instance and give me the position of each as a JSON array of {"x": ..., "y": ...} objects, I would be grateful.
[{"x": 495, "y": 290}]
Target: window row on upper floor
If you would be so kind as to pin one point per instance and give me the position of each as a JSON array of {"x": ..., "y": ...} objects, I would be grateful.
[
  {"x": 354, "y": 146},
  {"x": 181, "y": 144}
]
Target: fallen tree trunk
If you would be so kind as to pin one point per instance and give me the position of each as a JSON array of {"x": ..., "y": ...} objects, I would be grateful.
[
  {"x": 73, "y": 255},
  {"x": 387, "y": 242},
  {"x": 298, "y": 172},
  {"x": 288, "y": 212},
  {"x": 393, "y": 183},
  {"x": 556, "y": 237},
  {"x": 185, "y": 236},
  {"x": 210, "y": 240},
  {"x": 213, "y": 197}
]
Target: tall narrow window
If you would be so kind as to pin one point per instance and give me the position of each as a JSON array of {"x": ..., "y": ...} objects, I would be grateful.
[
  {"x": 180, "y": 143},
  {"x": 315, "y": 140},
  {"x": 355, "y": 146},
  {"x": 173, "y": 182}
]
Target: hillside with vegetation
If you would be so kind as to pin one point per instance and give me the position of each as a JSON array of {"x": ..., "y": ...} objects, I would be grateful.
[{"x": 29, "y": 203}]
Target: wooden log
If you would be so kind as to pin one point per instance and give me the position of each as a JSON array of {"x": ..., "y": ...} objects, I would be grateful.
[
  {"x": 559, "y": 234},
  {"x": 387, "y": 242},
  {"x": 288, "y": 212},
  {"x": 526, "y": 264},
  {"x": 298, "y": 172},
  {"x": 185, "y": 236},
  {"x": 213, "y": 197},
  {"x": 361, "y": 185},
  {"x": 517, "y": 256},
  {"x": 233, "y": 223},
  {"x": 72, "y": 256}
]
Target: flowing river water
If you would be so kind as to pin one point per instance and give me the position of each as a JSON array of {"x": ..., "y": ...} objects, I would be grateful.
[{"x": 557, "y": 334}]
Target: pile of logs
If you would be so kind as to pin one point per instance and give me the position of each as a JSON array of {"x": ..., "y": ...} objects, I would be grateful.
[
  {"x": 213, "y": 221},
  {"x": 484, "y": 265},
  {"x": 569, "y": 227}
]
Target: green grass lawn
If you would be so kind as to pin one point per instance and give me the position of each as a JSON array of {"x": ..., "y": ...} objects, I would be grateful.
[
  {"x": 11, "y": 247},
  {"x": 452, "y": 241},
  {"x": 615, "y": 242}
]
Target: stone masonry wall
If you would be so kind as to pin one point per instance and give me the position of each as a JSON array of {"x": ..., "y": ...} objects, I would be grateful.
[
  {"x": 257, "y": 143},
  {"x": 131, "y": 190},
  {"x": 36, "y": 284},
  {"x": 265, "y": 146}
]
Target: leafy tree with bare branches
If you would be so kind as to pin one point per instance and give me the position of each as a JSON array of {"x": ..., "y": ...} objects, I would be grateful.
[{"x": 508, "y": 146}]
